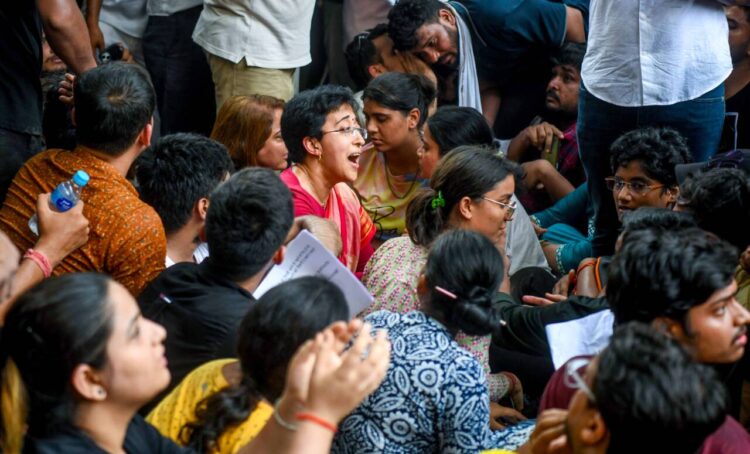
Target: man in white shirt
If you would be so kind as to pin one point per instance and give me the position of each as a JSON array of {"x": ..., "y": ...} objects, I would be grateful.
[
  {"x": 116, "y": 21},
  {"x": 649, "y": 64},
  {"x": 254, "y": 47}
]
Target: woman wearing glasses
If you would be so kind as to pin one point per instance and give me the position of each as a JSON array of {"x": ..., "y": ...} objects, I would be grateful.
[
  {"x": 395, "y": 105},
  {"x": 325, "y": 141},
  {"x": 471, "y": 188}
]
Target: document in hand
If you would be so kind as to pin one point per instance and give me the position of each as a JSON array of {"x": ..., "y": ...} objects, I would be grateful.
[{"x": 305, "y": 256}]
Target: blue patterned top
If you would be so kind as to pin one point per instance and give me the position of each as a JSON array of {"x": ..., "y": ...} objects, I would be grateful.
[{"x": 434, "y": 397}]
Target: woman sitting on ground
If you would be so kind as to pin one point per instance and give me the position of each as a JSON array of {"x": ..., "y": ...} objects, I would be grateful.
[
  {"x": 222, "y": 405},
  {"x": 78, "y": 351},
  {"x": 325, "y": 141},
  {"x": 470, "y": 189},
  {"x": 395, "y": 105},
  {"x": 434, "y": 396},
  {"x": 250, "y": 128},
  {"x": 451, "y": 127}
]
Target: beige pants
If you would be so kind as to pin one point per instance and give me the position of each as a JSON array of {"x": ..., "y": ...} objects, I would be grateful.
[{"x": 232, "y": 79}]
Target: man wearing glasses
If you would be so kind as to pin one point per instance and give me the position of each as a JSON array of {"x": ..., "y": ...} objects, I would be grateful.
[
  {"x": 681, "y": 283},
  {"x": 643, "y": 165}
]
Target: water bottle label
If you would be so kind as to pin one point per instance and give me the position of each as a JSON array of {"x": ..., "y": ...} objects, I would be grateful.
[{"x": 63, "y": 204}]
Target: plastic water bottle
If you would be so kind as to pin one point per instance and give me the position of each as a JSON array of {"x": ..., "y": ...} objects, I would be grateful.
[{"x": 64, "y": 197}]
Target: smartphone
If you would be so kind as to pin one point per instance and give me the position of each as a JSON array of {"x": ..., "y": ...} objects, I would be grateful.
[{"x": 553, "y": 152}]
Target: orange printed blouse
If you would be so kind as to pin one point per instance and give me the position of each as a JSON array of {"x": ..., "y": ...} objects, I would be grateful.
[{"x": 126, "y": 239}]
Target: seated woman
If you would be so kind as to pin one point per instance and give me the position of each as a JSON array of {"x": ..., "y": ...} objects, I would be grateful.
[
  {"x": 324, "y": 140},
  {"x": 78, "y": 351},
  {"x": 470, "y": 189},
  {"x": 434, "y": 396},
  {"x": 395, "y": 106},
  {"x": 222, "y": 405},
  {"x": 451, "y": 127},
  {"x": 250, "y": 128}
]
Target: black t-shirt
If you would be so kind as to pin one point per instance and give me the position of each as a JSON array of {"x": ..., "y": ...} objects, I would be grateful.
[
  {"x": 739, "y": 104},
  {"x": 201, "y": 311},
  {"x": 141, "y": 438},
  {"x": 525, "y": 329},
  {"x": 20, "y": 66}
]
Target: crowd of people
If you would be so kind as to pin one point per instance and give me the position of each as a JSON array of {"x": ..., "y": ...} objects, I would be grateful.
[{"x": 547, "y": 201}]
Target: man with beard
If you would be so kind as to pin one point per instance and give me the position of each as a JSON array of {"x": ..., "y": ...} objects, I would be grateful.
[
  {"x": 557, "y": 170},
  {"x": 497, "y": 48}
]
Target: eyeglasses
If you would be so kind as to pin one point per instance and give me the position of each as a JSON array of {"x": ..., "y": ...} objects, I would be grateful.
[
  {"x": 511, "y": 207},
  {"x": 640, "y": 188},
  {"x": 573, "y": 378},
  {"x": 348, "y": 131}
]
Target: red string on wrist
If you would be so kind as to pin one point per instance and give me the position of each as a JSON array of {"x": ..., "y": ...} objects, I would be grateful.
[
  {"x": 317, "y": 420},
  {"x": 586, "y": 265},
  {"x": 41, "y": 260}
]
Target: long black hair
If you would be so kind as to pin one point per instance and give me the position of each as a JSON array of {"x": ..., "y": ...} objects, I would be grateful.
[
  {"x": 453, "y": 126},
  {"x": 272, "y": 330},
  {"x": 54, "y": 327},
  {"x": 467, "y": 171},
  {"x": 402, "y": 92},
  {"x": 463, "y": 273}
]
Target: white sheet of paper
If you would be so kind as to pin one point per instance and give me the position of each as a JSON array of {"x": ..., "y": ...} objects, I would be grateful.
[
  {"x": 306, "y": 256},
  {"x": 584, "y": 336}
]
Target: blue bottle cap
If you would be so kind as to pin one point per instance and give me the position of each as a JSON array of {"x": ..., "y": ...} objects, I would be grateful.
[{"x": 81, "y": 178}]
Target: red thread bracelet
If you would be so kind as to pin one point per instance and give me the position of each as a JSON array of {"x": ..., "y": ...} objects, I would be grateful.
[
  {"x": 41, "y": 260},
  {"x": 317, "y": 420},
  {"x": 586, "y": 265}
]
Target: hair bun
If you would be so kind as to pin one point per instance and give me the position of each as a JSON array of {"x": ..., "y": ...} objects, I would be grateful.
[{"x": 474, "y": 314}]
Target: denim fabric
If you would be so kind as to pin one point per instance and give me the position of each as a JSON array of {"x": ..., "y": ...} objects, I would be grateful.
[
  {"x": 180, "y": 73},
  {"x": 17, "y": 148},
  {"x": 600, "y": 123}
]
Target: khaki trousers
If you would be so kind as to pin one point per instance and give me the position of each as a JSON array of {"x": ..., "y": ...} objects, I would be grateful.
[{"x": 232, "y": 79}]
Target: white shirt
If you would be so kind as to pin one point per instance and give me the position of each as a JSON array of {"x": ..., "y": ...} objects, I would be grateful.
[
  {"x": 521, "y": 243},
  {"x": 200, "y": 254},
  {"x": 127, "y": 16},
  {"x": 169, "y": 7},
  {"x": 655, "y": 52},
  {"x": 267, "y": 34}
]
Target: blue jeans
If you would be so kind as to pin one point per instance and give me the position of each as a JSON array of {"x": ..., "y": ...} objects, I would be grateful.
[
  {"x": 17, "y": 148},
  {"x": 180, "y": 73},
  {"x": 600, "y": 123}
]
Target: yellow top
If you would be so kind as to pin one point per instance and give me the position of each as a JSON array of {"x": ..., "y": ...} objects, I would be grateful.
[
  {"x": 178, "y": 408},
  {"x": 743, "y": 287}
]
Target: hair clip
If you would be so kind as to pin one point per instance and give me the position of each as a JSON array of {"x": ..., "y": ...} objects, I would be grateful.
[
  {"x": 438, "y": 201},
  {"x": 445, "y": 292}
]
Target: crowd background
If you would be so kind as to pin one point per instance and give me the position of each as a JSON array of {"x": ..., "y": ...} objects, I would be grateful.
[{"x": 549, "y": 202}]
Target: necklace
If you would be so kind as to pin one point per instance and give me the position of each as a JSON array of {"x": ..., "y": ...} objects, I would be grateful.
[
  {"x": 309, "y": 181},
  {"x": 390, "y": 185}
]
